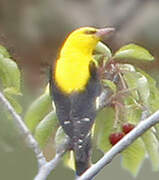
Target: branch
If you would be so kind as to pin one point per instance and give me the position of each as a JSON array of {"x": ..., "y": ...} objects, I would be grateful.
[
  {"x": 25, "y": 131},
  {"x": 45, "y": 170},
  {"x": 121, "y": 145},
  {"x": 44, "y": 167}
]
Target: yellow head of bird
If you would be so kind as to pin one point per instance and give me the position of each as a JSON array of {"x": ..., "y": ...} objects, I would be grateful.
[{"x": 85, "y": 39}]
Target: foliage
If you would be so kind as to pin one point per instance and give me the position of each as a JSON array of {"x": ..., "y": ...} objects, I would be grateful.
[
  {"x": 45, "y": 128},
  {"x": 134, "y": 92},
  {"x": 37, "y": 111},
  {"x": 133, "y": 51},
  {"x": 10, "y": 78}
]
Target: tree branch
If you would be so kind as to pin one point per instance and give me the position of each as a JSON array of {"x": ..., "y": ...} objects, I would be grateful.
[
  {"x": 143, "y": 126},
  {"x": 25, "y": 131},
  {"x": 44, "y": 167},
  {"x": 45, "y": 170}
]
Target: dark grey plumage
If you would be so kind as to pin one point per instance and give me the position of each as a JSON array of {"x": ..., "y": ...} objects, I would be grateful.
[{"x": 76, "y": 113}]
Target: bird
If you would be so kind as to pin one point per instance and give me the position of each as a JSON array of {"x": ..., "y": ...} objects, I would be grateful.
[{"x": 74, "y": 87}]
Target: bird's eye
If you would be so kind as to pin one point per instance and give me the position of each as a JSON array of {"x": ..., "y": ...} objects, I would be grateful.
[{"x": 90, "y": 31}]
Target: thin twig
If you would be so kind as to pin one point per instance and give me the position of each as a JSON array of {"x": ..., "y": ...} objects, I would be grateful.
[
  {"x": 46, "y": 169},
  {"x": 121, "y": 145},
  {"x": 24, "y": 130}
]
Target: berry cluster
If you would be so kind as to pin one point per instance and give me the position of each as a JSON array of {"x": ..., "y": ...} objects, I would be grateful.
[{"x": 117, "y": 136}]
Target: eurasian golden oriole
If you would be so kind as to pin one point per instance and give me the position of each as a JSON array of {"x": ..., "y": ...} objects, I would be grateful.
[{"x": 74, "y": 87}]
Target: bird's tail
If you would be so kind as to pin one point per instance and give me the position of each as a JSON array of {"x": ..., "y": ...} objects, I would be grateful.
[{"x": 82, "y": 152}]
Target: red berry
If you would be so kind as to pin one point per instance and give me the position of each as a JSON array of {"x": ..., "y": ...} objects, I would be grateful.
[
  {"x": 127, "y": 127},
  {"x": 115, "y": 137}
]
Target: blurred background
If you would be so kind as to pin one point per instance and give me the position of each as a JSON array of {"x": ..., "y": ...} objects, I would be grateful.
[{"x": 32, "y": 31}]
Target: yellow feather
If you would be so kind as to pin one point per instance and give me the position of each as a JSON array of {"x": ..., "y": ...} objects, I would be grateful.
[{"x": 72, "y": 67}]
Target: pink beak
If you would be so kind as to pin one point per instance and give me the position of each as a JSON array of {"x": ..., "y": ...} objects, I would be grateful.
[{"x": 104, "y": 31}]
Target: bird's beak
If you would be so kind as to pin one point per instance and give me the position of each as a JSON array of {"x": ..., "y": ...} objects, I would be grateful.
[{"x": 104, "y": 31}]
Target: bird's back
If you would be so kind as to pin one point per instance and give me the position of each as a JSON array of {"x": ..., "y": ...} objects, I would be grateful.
[{"x": 77, "y": 106}]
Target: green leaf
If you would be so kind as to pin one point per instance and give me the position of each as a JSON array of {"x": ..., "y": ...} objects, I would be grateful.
[
  {"x": 37, "y": 111},
  {"x": 131, "y": 80},
  {"x": 45, "y": 128},
  {"x": 97, "y": 58},
  {"x": 14, "y": 103},
  {"x": 154, "y": 92},
  {"x": 136, "y": 80},
  {"x": 12, "y": 91},
  {"x": 60, "y": 139},
  {"x": 154, "y": 99},
  {"x": 103, "y": 49},
  {"x": 152, "y": 82},
  {"x": 110, "y": 84},
  {"x": 133, "y": 51},
  {"x": 101, "y": 53},
  {"x": 154, "y": 95},
  {"x": 9, "y": 73},
  {"x": 157, "y": 129},
  {"x": 143, "y": 88},
  {"x": 126, "y": 68},
  {"x": 69, "y": 160},
  {"x": 152, "y": 147},
  {"x": 4, "y": 52},
  {"x": 132, "y": 114},
  {"x": 103, "y": 128},
  {"x": 133, "y": 156}
]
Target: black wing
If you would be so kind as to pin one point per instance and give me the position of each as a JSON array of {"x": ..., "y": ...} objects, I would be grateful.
[{"x": 76, "y": 112}]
